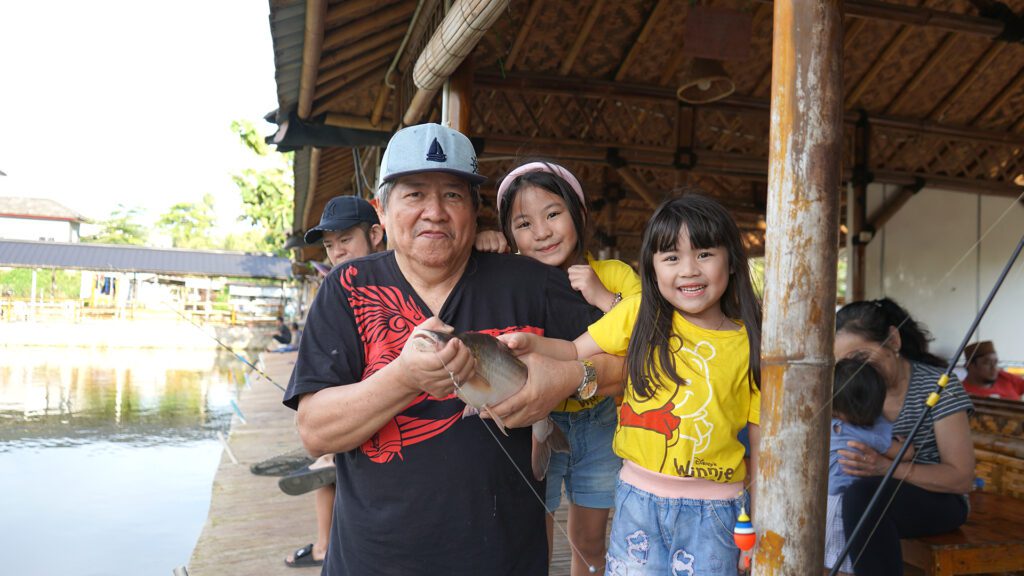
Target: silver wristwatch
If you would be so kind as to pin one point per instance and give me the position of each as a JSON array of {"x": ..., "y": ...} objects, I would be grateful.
[{"x": 588, "y": 387}]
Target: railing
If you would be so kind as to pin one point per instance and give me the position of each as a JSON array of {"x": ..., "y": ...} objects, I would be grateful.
[{"x": 25, "y": 310}]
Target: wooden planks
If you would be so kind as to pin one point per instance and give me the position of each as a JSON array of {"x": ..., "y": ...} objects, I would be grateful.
[{"x": 252, "y": 525}]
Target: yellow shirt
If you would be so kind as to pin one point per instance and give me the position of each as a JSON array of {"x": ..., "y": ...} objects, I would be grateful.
[
  {"x": 686, "y": 430},
  {"x": 617, "y": 277}
]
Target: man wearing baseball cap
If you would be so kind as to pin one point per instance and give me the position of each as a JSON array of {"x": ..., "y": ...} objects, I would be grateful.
[
  {"x": 984, "y": 378},
  {"x": 349, "y": 228},
  {"x": 422, "y": 490}
]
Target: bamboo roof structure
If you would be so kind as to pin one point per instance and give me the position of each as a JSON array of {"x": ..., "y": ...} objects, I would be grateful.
[{"x": 933, "y": 96}]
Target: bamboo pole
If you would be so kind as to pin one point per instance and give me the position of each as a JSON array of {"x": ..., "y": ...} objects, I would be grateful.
[
  {"x": 460, "y": 103},
  {"x": 937, "y": 57},
  {"x": 523, "y": 34},
  {"x": 980, "y": 66},
  {"x": 876, "y": 67},
  {"x": 581, "y": 37},
  {"x": 314, "y": 177},
  {"x": 800, "y": 279},
  {"x": 312, "y": 42},
  {"x": 652, "y": 19},
  {"x": 462, "y": 28},
  {"x": 365, "y": 26}
]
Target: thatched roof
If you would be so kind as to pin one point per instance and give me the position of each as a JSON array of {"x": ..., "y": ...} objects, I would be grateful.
[{"x": 934, "y": 93}]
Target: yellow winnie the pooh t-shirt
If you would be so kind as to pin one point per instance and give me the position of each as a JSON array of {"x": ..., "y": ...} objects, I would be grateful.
[{"x": 689, "y": 430}]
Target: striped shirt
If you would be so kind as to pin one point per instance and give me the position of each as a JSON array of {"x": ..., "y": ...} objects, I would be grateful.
[{"x": 923, "y": 378}]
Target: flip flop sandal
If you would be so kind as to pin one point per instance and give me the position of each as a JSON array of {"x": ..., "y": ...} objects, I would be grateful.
[
  {"x": 304, "y": 558},
  {"x": 282, "y": 464},
  {"x": 307, "y": 479}
]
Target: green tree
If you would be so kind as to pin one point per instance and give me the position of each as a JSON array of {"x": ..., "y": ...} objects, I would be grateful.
[
  {"x": 267, "y": 193},
  {"x": 120, "y": 228},
  {"x": 190, "y": 224}
]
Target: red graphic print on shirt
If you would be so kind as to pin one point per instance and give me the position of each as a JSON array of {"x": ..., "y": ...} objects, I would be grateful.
[{"x": 385, "y": 318}]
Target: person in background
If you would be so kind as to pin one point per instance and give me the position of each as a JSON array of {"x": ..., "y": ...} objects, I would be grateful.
[
  {"x": 984, "y": 378},
  {"x": 284, "y": 335},
  {"x": 928, "y": 495},
  {"x": 349, "y": 229},
  {"x": 857, "y": 399}
]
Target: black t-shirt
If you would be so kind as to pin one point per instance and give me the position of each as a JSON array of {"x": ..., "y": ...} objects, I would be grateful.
[{"x": 431, "y": 492}]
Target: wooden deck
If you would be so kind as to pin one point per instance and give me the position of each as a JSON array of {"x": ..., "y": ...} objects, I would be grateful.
[{"x": 252, "y": 525}]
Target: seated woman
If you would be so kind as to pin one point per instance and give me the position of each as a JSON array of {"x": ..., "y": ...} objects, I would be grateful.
[{"x": 930, "y": 491}]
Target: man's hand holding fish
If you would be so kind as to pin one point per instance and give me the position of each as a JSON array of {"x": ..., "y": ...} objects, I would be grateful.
[{"x": 433, "y": 371}]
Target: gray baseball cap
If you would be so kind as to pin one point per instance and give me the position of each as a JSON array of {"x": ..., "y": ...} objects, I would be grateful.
[
  {"x": 342, "y": 213},
  {"x": 429, "y": 148}
]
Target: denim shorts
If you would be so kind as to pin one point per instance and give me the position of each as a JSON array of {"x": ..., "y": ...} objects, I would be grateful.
[
  {"x": 591, "y": 470},
  {"x": 679, "y": 536}
]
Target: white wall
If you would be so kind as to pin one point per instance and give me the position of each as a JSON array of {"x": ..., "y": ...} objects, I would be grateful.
[
  {"x": 30, "y": 229},
  {"x": 926, "y": 258}
]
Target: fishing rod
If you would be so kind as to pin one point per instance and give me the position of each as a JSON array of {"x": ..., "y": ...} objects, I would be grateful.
[
  {"x": 930, "y": 403},
  {"x": 224, "y": 346}
]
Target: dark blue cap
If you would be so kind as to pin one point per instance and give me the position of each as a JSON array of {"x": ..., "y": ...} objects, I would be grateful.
[{"x": 342, "y": 213}]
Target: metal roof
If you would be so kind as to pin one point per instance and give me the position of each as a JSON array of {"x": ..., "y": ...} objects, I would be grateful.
[
  {"x": 120, "y": 258},
  {"x": 37, "y": 208}
]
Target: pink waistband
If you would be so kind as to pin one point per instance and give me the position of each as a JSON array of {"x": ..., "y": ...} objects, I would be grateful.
[{"x": 667, "y": 486}]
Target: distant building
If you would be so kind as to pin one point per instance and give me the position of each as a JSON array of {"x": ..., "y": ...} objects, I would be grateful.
[{"x": 38, "y": 219}]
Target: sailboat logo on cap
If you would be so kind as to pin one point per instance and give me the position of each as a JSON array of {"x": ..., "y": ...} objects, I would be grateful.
[{"x": 436, "y": 153}]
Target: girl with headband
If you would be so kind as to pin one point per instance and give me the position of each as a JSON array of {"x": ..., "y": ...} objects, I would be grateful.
[{"x": 543, "y": 215}]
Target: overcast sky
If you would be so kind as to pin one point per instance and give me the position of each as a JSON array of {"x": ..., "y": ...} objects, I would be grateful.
[{"x": 131, "y": 102}]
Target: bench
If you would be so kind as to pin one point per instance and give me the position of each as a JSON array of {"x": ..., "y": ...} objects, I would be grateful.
[
  {"x": 997, "y": 428},
  {"x": 992, "y": 540}
]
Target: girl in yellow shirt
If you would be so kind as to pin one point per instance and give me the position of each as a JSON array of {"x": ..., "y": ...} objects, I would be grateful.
[{"x": 692, "y": 340}]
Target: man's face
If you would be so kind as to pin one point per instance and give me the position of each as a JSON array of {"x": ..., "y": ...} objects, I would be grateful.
[
  {"x": 984, "y": 369},
  {"x": 430, "y": 219},
  {"x": 347, "y": 244}
]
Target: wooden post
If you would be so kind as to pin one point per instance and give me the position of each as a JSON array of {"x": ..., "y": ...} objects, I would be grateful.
[
  {"x": 459, "y": 97},
  {"x": 800, "y": 279},
  {"x": 861, "y": 177}
]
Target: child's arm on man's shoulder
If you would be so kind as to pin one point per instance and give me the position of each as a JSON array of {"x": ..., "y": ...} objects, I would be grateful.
[{"x": 491, "y": 241}]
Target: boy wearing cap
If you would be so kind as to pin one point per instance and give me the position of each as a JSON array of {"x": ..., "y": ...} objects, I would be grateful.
[
  {"x": 984, "y": 378},
  {"x": 349, "y": 229},
  {"x": 422, "y": 490}
]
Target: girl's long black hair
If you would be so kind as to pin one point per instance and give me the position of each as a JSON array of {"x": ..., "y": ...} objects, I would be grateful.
[
  {"x": 556, "y": 185},
  {"x": 871, "y": 319},
  {"x": 653, "y": 342}
]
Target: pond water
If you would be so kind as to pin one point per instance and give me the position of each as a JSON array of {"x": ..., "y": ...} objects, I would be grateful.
[{"x": 107, "y": 457}]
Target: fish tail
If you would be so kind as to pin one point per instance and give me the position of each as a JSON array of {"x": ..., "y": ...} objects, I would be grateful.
[
  {"x": 540, "y": 458},
  {"x": 557, "y": 440}
]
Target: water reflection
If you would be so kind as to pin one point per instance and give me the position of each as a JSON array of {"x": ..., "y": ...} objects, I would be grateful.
[
  {"x": 107, "y": 457},
  {"x": 59, "y": 397}
]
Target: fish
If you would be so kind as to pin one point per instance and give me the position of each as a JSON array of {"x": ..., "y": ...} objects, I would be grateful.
[{"x": 499, "y": 375}]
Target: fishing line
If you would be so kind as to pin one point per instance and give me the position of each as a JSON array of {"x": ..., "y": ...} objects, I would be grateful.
[
  {"x": 592, "y": 569},
  {"x": 225, "y": 346}
]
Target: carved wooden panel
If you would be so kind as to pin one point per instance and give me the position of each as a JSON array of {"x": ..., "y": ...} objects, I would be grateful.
[{"x": 567, "y": 118}]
